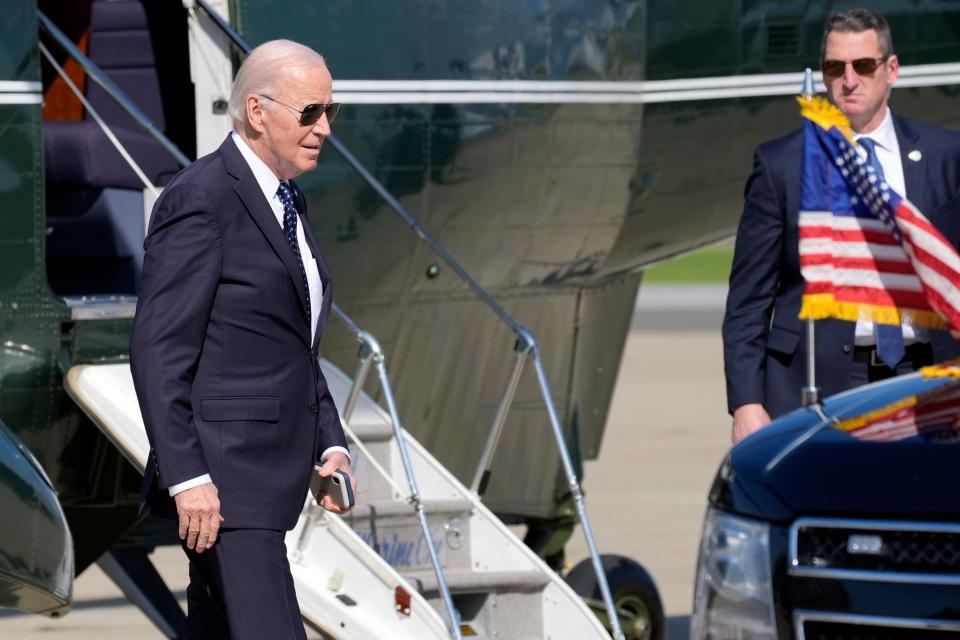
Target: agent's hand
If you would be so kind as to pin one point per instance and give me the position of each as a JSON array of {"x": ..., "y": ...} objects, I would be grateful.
[
  {"x": 335, "y": 461},
  {"x": 748, "y": 418},
  {"x": 200, "y": 519}
]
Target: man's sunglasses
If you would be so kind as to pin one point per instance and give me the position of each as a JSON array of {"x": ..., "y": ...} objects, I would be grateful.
[
  {"x": 862, "y": 66},
  {"x": 312, "y": 112}
]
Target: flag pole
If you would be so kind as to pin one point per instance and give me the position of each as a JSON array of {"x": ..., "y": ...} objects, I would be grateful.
[{"x": 810, "y": 395}]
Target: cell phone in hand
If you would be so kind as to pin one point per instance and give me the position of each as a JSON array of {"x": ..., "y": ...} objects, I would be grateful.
[{"x": 337, "y": 486}]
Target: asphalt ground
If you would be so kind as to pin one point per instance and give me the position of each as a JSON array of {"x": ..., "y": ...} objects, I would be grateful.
[{"x": 646, "y": 493}]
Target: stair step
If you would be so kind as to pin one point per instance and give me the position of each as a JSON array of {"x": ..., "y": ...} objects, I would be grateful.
[
  {"x": 464, "y": 581},
  {"x": 371, "y": 430},
  {"x": 393, "y": 508}
]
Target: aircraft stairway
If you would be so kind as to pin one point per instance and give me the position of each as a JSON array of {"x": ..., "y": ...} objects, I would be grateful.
[{"x": 369, "y": 574}]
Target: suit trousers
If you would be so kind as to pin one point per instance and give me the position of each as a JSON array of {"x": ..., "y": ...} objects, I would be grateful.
[{"x": 241, "y": 589}]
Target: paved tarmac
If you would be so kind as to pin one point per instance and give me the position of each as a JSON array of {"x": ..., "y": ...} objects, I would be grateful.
[
  {"x": 646, "y": 494},
  {"x": 666, "y": 434}
]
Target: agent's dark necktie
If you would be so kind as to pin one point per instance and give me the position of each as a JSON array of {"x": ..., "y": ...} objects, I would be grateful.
[
  {"x": 290, "y": 230},
  {"x": 890, "y": 347}
]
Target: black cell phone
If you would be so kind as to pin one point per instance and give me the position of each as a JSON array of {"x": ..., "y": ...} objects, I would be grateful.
[{"x": 337, "y": 486}]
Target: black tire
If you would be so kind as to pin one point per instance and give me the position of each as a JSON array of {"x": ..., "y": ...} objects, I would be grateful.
[{"x": 632, "y": 589}]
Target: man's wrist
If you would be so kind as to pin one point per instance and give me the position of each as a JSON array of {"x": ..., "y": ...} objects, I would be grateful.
[
  {"x": 180, "y": 487},
  {"x": 331, "y": 450}
]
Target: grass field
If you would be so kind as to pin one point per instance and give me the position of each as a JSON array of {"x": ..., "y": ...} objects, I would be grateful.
[{"x": 707, "y": 266}]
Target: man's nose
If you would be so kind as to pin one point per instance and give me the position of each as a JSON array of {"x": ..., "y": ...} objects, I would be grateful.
[
  {"x": 322, "y": 126},
  {"x": 850, "y": 77}
]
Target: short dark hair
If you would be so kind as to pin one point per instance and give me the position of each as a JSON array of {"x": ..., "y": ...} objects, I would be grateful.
[{"x": 857, "y": 21}]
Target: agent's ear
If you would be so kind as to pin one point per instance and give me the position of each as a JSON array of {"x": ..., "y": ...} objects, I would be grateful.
[
  {"x": 255, "y": 112},
  {"x": 893, "y": 64}
]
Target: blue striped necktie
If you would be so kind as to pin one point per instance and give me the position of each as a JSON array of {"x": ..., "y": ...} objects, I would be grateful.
[
  {"x": 890, "y": 347},
  {"x": 290, "y": 230}
]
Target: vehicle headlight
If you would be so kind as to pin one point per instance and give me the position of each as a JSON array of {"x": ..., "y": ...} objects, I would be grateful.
[{"x": 734, "y": 594}]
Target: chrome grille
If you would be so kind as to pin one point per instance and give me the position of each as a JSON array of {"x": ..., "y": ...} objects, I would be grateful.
[
  {"x": 821, "y": 625},
  {"x": 836, "y": 631},
  {"x": 876, "y": 550}
]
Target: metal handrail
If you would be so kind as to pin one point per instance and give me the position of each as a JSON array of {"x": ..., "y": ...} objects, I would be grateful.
[
  {"x": 522, "y": 333},
  {"x": 372, "y": 353},
  {"x": 110, "y": 87}
]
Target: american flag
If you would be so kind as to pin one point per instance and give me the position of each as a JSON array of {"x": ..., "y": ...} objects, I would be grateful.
[{"x": 866, "y": 252}]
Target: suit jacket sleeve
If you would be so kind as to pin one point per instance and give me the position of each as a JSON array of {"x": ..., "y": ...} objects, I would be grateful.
[
  {"x": 180, "y": 276},
  {"x": 331, "y": 430},
  {"x": 754, "y": 279}
]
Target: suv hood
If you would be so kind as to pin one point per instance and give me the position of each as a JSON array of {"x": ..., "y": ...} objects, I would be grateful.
[{"x": 887, "y": 450}]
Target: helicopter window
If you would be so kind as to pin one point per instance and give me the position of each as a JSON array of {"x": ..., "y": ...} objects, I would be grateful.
[{"x": 94, "y": 199}]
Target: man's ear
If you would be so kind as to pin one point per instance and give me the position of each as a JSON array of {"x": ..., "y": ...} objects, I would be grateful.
[
  {"x": 894, "y": 66},
  {"x": 254, "y": 112}
]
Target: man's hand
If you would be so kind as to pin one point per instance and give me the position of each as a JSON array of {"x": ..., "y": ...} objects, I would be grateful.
[
  {"x": 748, "y": 418},
  {"x": 335, "y": 461},
  {"x": 199, "y": 511}
]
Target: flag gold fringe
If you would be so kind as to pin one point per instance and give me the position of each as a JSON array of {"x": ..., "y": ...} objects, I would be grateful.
[
  {"x": 823, "y": 305},
  {"x": 861, "y": 421},
  {"x": 949, "y": 369},
  {"x": 818, "y": 110}
]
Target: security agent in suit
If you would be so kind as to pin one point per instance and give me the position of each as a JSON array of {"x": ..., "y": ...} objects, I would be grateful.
[
  {"x": 764, "y": 340},
  {"x": 224, "y": 350}
]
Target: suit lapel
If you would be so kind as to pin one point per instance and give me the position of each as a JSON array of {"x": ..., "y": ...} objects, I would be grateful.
[
  {"x": 913, "y": 170},
  {"x": 259, "y": 209}
]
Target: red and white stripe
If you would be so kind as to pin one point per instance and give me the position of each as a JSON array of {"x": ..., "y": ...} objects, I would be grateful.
[{"x": 859, "y": 260}]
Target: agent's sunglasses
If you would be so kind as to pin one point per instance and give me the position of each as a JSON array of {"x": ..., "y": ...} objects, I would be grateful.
[
  {"x": 861, "y": 66},
  {"x": 312, "y": 112}
]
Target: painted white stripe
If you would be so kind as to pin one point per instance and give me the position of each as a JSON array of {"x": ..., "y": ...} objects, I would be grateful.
[
  {"x": 861, "y": 278},
  {"x": 842, "y": 223},
  {"x": 627, "y": 92},
  {"x": 891, "y": 252},
  {"x": 21, "y": 98},
  {"x": 19, "y": 86}
]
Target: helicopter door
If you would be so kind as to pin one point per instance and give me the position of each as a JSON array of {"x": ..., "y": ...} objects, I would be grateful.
[{"x": 95, "y": 201}]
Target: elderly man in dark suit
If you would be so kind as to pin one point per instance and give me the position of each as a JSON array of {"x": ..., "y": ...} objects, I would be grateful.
[
  {"x": 764, "y": 341},
  {"x": 224, "y": 350}
]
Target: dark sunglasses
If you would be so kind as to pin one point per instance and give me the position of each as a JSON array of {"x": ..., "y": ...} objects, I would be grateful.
[
  {"x": 862, "y": 66},
  {"x": 312, "y": 112}
]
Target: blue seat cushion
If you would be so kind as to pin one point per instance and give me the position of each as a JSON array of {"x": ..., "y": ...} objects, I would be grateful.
[{"x": 78, "y": 153}]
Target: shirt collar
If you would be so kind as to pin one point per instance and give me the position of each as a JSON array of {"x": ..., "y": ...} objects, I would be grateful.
[
  {"x": 885, "y": 135},
  {"x": 265, "y": 177}
]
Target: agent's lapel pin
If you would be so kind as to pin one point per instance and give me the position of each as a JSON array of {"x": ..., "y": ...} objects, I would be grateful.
[{"x": 915, "y": 155}]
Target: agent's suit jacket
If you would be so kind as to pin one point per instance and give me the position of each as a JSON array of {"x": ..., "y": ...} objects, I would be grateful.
[
  {"x": 765, "y": 343},
  {"x": 225, "y": 371}
]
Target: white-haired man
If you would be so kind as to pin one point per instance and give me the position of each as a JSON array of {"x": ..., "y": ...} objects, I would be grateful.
[{"x": 224, "y": 350}]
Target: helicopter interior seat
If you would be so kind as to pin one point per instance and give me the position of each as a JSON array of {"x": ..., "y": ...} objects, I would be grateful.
[{"x": 95, "y": 201}]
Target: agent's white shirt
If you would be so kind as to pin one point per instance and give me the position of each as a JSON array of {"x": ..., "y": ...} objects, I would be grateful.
[
  {"x": 888, "y": 153},
  {"x": 269, "y": 183}
]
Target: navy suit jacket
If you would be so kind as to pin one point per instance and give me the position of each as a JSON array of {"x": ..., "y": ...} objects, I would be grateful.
[
  {"x": 225, "y": 370},
  {"x": 764, "y": 340}
]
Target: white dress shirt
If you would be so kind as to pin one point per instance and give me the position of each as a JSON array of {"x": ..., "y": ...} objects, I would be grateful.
[
  {"x": 888, "y": 153},
  {"x": 269, "y": 183}
]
